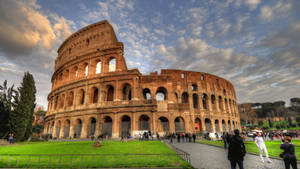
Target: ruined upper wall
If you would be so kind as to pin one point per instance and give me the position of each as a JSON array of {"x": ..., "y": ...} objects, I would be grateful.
[{"x": 93, "y": 38}]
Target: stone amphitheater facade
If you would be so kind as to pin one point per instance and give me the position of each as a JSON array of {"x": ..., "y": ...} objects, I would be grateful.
[{"x": 93, "y": 93}]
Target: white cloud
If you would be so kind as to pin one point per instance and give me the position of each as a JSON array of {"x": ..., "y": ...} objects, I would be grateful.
[
  {"x": 252, "y": 3},
  {"x": 280, "y": 9}
]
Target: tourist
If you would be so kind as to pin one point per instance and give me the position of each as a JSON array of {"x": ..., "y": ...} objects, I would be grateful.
[
  {"x": 11, "y": 138},
  {"x": 259, "y": 141},
  {"x": 236, "y": 150},
  {"x": 157, "y": 136},
  {"x": 194, "y": 137},
  {"x": 224, "y": 140},
  {"x": 288, "y": 155},
  {"x": 190, "y": 137},
  {"x": 186, "y": 137},
  {"x": 178, "y": 138},
  {"x": 182, "y": 136},
  {"x": 171, "y": 137}
]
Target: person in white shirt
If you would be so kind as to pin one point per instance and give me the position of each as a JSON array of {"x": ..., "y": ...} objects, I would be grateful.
[{"x": 259, "y": 141}]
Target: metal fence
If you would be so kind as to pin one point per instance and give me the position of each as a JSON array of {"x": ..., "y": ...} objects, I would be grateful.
[
  {"x": 93, "y": 160},
  {"x": 184, "y": 155}
]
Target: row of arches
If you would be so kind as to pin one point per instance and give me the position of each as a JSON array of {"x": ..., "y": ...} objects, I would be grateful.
[
  {"x": 127, "y": 94},
  {"x": 63, "y": 128},
  {"x": 82, "y": 70}
]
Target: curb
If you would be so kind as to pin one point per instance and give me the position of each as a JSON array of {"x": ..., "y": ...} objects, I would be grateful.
[{"x": 277, "y": 158}]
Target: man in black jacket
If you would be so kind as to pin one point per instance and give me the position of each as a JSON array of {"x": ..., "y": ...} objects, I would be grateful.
[
  {"x": 236, "y": 150},
  {"x": 288, "y": 155}
]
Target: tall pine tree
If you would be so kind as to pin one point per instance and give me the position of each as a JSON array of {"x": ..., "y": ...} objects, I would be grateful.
[{"x": 22, "y": 116}]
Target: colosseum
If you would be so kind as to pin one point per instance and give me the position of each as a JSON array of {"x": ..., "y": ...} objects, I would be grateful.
[{"x": 94, "y": 93}]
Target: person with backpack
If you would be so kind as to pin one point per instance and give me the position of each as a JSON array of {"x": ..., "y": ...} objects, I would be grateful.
[
  {"x": 288, "y": 154},
  {"x": 236, "y": 150}
]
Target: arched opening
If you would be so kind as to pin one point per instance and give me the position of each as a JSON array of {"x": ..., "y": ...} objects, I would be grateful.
[
  {"x": 57, "y": 132},
  {"x": 176, "y": 96},
  {"x": 112, "y": 65},
  {"x": 147, "y": 94},
  {"x": 125, "y": 126},
  {"x": 217, "y": 127},
  {"x": 77, "y": 128},
  {"x": 144, "y": 122},
  {"x": 70, "y": 98},
  {"x": 226, "y": 105},
  {"x": 95, "y": 95},
  {"x": 223, "y": 125},
  {"x": 195, "y": 101},
  {"x": 86, "y": 69},
  {"x": 204, "y": 101},
  {"x": 213, "y": 101},
  {"x": 110, "y": 93},
  {"x": 198, "y": 125},
  {"x": 51, "y": 129},
  {"x": 62, "y": 101},
  {"x": 202, "y": 77},
  {"x": 82, "y": 96},
  {"x": 107, "y": 126},
  {"x": 56, "y": 102},
  {"x": 220, "y": 103},
  {"x": 126, "y": 92},
  {"x": 229, "y": 126},
  {"x": 163, "y": 124},
  {"x": 161, "y": 94},
  {"x": 194, "y": 87},
  {"x": 74, "y": 72},
  {"x": 98, "y": 67},
  {"x": 208, "y": 125},
  {"x": 224, "y": 92},
  {"x": 230, "y": 105},
  {"x": 184, "y": 97},
  {"x": 67, "y": 129},
  {"x": 179, "y": 125},
  {"x": 66, "y": 75},
  {"x": 91, "y": 127}
]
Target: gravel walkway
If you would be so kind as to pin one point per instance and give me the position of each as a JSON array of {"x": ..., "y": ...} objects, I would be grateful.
[{"x": 210, "y": 157}]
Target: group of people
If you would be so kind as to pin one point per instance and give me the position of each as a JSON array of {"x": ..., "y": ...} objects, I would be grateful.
[
  {"x": 237, "y": 149},
  {"x": 182, "y": 137}
]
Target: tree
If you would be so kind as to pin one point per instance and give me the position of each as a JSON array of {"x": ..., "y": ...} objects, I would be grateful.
[
  {"x": 6, "y": 107},
  {"x": 22, "y": 116}
]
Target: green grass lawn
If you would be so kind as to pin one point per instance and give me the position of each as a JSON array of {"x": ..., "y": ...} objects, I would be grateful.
[
  {"x": 273, "y": 147},
  {"x": 164, "y": 156}
]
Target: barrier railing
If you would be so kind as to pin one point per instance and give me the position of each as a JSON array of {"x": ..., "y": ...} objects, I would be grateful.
[{"x": 92, "y": 160}]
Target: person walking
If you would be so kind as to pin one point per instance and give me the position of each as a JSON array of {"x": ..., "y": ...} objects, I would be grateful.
[
  {"x": 182, "y": 136},
  {"x": 194, "y": 137},
  {"x": 236, "y": 150},
  {"x": 288, "y": 155},
  {"x": 178, "y": 138},
  {"x": 259, "y": 141},
  {"x": 224, "y": 140}
]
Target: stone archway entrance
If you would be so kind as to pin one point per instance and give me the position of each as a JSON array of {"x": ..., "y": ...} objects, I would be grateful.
[
  {"x": 208, "y": 125},
  {"x": 107, "y": 126},
  {"x": 217, "y": 127},
  {"x": 163, "y": 125},
  {"x": 57, "y": 132},
  {"x": 224, "y": 126},
  {"x": 91, "y": 127},
  {"x": 179, "y": 125},
  {"x": 144, "y": 122},
  {"x": 125, "y": 126},
  {"x": 77, "y": 128},
  {"x": 67, "y": 129}
]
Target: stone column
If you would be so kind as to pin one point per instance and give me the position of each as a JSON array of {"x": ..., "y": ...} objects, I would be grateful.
[
  {"x": 118, "y": 92},
  {"x": 115, "y": 133},
  {"x": 221, "y": 126},
  {"x": 154, "y": 129},
  {"x": 98, "y": 123},
  {"x": 62, "y": 131},
  {"x": 203, "y": 124},
  {"x": 172, "y": 124},
  {"x": 213, "y": 125},
  {"x": 71, "y": 133},
  {"x": 54, "y": 129},
  {"x": 84, "y": 128}
]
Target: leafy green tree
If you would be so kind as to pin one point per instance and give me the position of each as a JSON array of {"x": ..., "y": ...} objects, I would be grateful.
[
  {"x": 6, "y": 107},
  {"x": 22, "y": 116}
]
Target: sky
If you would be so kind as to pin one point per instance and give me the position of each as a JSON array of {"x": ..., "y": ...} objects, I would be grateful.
[{"x": 254, "y": 44}]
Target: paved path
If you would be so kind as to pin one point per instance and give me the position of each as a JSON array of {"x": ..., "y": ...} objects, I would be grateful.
[{"x": 210, "y": 157}]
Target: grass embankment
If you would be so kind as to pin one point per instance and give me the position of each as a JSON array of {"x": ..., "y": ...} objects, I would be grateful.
[
  {"x": 86, "y": 147},
  {"x": 273, "y": 147}
]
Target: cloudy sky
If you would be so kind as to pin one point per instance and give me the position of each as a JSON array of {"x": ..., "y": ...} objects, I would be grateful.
[{"x": 254, "y": 44}]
